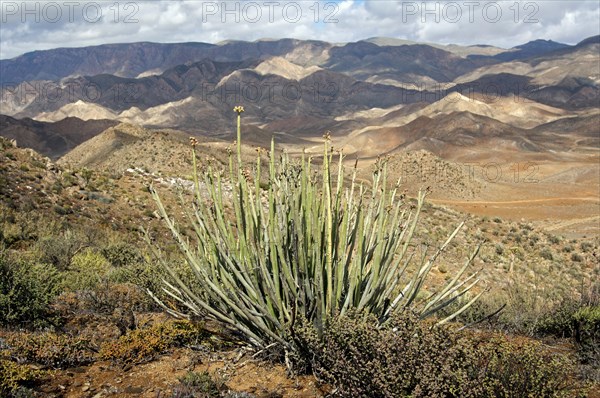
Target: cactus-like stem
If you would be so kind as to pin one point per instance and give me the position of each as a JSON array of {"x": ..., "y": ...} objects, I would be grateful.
[{"x": 301, "y": 248}]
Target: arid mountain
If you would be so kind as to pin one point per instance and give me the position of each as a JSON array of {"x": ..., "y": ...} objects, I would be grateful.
[
  {"x": 528, "y": 50},
  {"x": 438, "y": 96},
  {"x": 512, "y": 110},
  {"x": 51, "y": 139},
  {"x": 133, "y": 59},
  {"x": 195, "y": 97},
  {"x": 567, "y": 77},
  {"x": 446, "y": 135},
  {"x": 411, "y": 65}
]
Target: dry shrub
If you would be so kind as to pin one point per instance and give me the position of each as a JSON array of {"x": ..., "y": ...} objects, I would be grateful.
[
  {"x": 142, "y": 345},
  {"x": 50, "y": 349},
  {"x": 411, "y": 358}
]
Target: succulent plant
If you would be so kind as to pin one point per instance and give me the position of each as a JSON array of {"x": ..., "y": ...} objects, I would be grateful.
[{"x": 307, "y": 246}]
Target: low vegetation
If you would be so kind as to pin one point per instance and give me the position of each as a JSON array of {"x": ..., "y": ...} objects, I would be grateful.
[
  {"x": 14, "y": 378},
  {"x": 73, "y": 286},
  {"x": 142, "y": 345},
  {"x": 363, "y": 360}
]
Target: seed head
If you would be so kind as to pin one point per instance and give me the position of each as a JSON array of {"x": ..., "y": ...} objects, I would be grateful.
[
  {"x": 193, "y": 141},
  {"x": 238, "y": 109},
  {"x": 246, "y": 174}
]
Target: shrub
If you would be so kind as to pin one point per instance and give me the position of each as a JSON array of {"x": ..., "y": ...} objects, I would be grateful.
[
  {"x": 408, "y": 357},
  {"x": 587, "y": 333},
  {"x": 546, "y": 253},
  {"x": 555, "y": 240},
  {"x": 576, "y": 257},
  {"x": 142, "y": 345},
  {"x": 26, "y": 290},
  {"x": 121, "y": 254},
  {"x": 558, "y": 321},
  {"x": 522, "y": 368},
  {"x": 14, "y": 376},
  {"x": 586, "y": 246},
  {"x": 51, "y": 349},
  {"x": 499, "y": 249},
  {"x": 197, "y": 385},
  {"x": 405, "y": 357},
  {"x": 59, "y": 249},
  {"x": 579, "y": 320},
  {"x": 147, "y": 276},
  {"x": 315, "y": 247},
  {"x": 16, "y": 228},
  {"x": 87, "y": 270},
  {"x": 107, "y": 296}
]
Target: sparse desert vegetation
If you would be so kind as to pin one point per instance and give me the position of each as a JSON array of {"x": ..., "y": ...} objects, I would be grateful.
[
  {"x": 73, "y": 295},
  {"x": 380, "y": 226}
]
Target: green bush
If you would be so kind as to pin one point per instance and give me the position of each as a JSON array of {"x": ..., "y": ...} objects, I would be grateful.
[
  {"x": 87, "y": 270},
  {"x": 587, "y": 333},
  {"x": 14, "y": 376},
  {"x": 121, "y": 254},
  {"x": 16, "y": 228},
  {"x": 59, "y": 249},
  {"x": 558, "y": 321},
  {"x": 499, "y": 249},
  {"x": 312, "y": 245},
  {"x": 586, "y": 246},
  {"x": 555, "y": 240},
  {"x": 197, "y": 385},
  {"x": 26, "y": 290},
  {"x": 522, "y": 368},
  {"x": 546, "y": 253}
]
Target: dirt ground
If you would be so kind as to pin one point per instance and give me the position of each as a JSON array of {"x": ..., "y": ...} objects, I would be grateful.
[{"x": 157, "y": 378}]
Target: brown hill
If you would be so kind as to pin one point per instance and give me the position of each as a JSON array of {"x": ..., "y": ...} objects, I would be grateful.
[{"x": 51, "y": 139}]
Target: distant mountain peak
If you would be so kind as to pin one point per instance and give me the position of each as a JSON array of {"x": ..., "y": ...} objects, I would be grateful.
[
  {"x": 542, "y": 44},
  {"x": 590, "y": 40}
]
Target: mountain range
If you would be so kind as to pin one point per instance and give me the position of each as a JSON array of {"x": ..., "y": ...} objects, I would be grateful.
[{"x": 378, "y": 95}]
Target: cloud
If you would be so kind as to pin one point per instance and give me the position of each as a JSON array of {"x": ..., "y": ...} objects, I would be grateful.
[{"x": 39, "y": 25}]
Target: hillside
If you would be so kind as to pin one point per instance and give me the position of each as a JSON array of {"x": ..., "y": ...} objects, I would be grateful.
[
  {"x": 85, "y": 209},
  {"x": 51, "y": 139}
]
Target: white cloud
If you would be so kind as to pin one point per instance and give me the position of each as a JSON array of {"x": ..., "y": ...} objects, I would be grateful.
[{"x": 37, "y": 25}]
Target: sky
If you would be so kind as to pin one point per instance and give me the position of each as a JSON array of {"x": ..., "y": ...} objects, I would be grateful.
[{"x": 39, "y": 25}]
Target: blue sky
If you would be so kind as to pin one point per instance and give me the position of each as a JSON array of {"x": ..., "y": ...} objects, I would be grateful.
[{"x": 39, "y": 25}]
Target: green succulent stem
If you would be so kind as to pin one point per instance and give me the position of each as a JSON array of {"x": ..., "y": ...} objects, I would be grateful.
[{"x": 264, "y": 254}]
